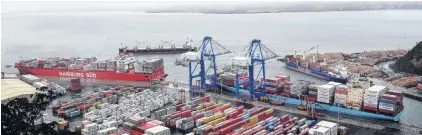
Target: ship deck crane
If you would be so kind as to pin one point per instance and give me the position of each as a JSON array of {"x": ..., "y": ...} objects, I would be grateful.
[
  {"x": 202, "y": 62},
  {"x": 257, "y": 53}
]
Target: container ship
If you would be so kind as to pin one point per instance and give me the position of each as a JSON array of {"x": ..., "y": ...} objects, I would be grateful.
[
  {"x": 316, "y": 69},
  {"x": 122, "y": 67},
  {"x": 356, "y": 98},
  {"x": 419, "y": 86},
  {"x": 160, "y": 50}
]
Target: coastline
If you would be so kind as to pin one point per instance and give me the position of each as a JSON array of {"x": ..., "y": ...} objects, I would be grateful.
[{"x": 269, "y": 12}]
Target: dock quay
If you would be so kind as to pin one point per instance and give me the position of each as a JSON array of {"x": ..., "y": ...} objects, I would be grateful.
[{"x": 413, "y": 93}]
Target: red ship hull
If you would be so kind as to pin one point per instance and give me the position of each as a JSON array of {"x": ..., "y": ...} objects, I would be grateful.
[
  {"x": 419, "y": 87},
  {"x": 158, "y": 74}
]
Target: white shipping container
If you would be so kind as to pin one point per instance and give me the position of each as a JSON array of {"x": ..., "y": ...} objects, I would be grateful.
[
  {"x": 92, "y": 127},
  {"x": 312, "y": 131},
  {"x": 322, "y": 131},
  {"x": 190, "y": 56},
  {"x": 331, "y": 125},
  {"x": 240, "y": 61},
  {"x": 158, "y": 130},
  {"x": 334, "y": 83},
  {"x": 376, "y": 89}
]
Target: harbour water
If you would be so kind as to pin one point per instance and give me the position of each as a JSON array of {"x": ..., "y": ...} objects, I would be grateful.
[{"x": 100, "y": 34}]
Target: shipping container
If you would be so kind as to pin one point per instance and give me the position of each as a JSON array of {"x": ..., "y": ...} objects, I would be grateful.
[{"x": 158, "y": 130}]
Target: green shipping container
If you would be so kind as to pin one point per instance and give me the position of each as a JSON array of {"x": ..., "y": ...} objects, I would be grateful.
[{"x": 74, "y": 114}]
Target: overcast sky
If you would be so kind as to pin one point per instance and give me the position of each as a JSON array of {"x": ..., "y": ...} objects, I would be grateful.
[{"x": 11, "y": 7}]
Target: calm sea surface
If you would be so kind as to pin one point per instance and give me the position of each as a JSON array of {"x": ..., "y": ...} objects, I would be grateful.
[{"x": 100, "y": 34}]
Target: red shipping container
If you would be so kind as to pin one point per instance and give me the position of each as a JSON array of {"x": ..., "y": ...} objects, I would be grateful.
[
  {"x": 304, "y": 132},
  {"x": 278, "y": 132},
  {"x": 258, "y": 130},
  {"x": 294, "y": 120},
  {"x": 41, "y": 62},
  {"x": 389, "y": 97},
  {"x": 230, "y": 128},
  {"x": 145, "y": 126},
  {"x": 386, "y": 111},
  {"x": 83, "y": 107},
  {"x": 368, "y": 108},
  {"x": 273, "y": 80},
  {"x": 262, "y": 116},
  {"x": 134, "y": 132},
  {"x": 395, "y": 92},
  {"x": 118, "y": 133},
  {"x": 176, "y": 115},
  {"x": 246, "y": 128},
  {"x": 210, "y": 107},
  {"x": 288, "y": 83},
  {"x": 283, "y": 77},
  {"x": 257, "y": 111},
  {"x": 127, "y": 130},
  {"x": 311, "y": 98},
  {"x": 234, "y": 114},
  {"x": 148, "y": 119},
  {"x": 198, "y": 116},
  {"x": 287, "y": 129},
  {"x": 344, "y": 92},
  {"x": 186, "y": 114},
  {"x": 272, "y": 91},
  {"x": 179, "y": 107},
  {"x": 240, "y": 109},
  {"x": 156, "y": 122}
]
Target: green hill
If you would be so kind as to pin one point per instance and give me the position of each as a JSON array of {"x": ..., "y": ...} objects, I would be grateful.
[{"x": 411, "y": 62}]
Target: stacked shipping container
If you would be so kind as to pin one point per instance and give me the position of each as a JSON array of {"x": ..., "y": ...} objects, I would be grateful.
[
  {"x": 325, "y": 93},
  {"x": 340, "y": 96},
  {"x": 371, "y": 97},
  {"x": 391, "y": 103},
  {"x": 299, "y": 88}
]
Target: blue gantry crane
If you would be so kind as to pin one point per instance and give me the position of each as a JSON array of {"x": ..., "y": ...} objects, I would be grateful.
[
  {"x": 257, "y": 53},
  {"x": 202, "y": 62}
]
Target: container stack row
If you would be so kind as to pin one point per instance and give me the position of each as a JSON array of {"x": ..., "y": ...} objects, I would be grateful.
[
  {"x": 299, "y": 88},
  {"x": 358, "y": 94},
  {"x": 43, "y": 84},
  {"x": 371, "y": 97},
  {"x": 131, "y": 112},
  {"x": 260, "y": 121},
  {"x": 391, "y": 103}
]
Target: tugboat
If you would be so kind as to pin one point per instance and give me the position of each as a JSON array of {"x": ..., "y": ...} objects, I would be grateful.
[{"x": 160, "y": 50}]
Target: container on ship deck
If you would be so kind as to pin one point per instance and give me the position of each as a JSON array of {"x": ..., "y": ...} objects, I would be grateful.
[
  {"x": 311, "y": 98},
  {"x": 390, "y": 97},
  {"x": 386, "y": 111},
  {"x": 369, "y": 108}
]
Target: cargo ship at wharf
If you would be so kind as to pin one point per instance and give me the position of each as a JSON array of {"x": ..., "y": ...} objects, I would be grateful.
[
  {"x": 419, "y": 86},
  {"x": 122, "y": 67},
  {"x": 356, "y": 98},
  {"x": 314, "y": 69},
  {"x": 160, "y": 50}
]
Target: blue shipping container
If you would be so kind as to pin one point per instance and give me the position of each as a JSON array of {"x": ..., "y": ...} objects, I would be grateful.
[{"x": 386, "y": 101}]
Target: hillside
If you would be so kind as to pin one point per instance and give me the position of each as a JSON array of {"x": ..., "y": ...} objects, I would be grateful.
[
  {"x": 280, "y": 7},
  {"x": 411, "y": 62}
]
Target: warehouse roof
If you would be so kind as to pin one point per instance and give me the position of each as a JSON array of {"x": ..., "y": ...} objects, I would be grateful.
[{"x": 11, "y": 88}]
